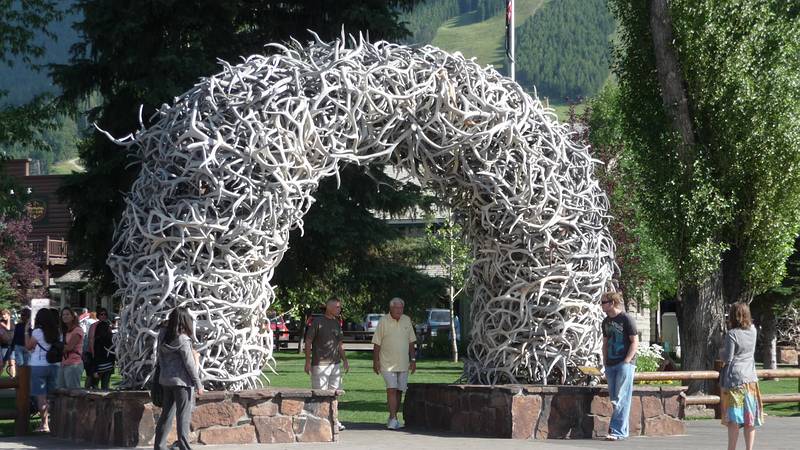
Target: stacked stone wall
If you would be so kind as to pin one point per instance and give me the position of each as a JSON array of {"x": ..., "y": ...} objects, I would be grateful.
[
  {"x": 540, "y": 412},
  {"x": 128, "y": 418}
]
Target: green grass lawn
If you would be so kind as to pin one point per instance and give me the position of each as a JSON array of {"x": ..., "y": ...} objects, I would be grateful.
[
  {"x": 784, "y": 386},
  {"x": 365, "y": 393}
]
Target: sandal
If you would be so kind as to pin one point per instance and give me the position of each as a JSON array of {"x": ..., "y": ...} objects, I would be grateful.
[{"x": 42, "y": 430}]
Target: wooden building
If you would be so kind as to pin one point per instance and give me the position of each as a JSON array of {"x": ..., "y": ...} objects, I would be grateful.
[{"x": 50, "y": 217}]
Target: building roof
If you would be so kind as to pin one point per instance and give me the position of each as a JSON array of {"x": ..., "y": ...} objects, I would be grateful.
[{"x": 72, "y": 277}]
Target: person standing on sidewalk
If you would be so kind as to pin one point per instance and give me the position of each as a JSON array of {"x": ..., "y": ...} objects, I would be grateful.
[
  {"x": 325, "y": 349},
  {"x": 179, "y": 377},
  {"x": 69, "y": 374},
  {"x": 740, "y": 398},
  {"x": 620, "y": 342},
  {"x": 393, "y": 356}
]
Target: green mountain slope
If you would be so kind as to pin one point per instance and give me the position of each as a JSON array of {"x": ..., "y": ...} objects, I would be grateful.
[{"x": 483, "y": 40}]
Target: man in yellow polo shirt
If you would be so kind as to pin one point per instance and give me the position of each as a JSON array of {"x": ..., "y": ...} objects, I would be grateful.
[{"x": 393, "y": 356}]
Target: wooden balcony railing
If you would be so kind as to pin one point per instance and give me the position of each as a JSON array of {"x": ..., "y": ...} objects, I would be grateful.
[{"x": 49, "y": 252}]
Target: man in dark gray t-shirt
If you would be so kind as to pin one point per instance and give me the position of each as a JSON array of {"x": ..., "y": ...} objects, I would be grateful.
[
  {"x": 620, "y": 342},
  {"x": 325, "y": 348}
]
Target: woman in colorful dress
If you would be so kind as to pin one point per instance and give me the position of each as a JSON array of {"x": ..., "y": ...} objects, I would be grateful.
[{"x": 741, "y": 398}]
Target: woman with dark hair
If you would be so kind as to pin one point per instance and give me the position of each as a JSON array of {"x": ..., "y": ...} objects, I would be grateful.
[
  {"x": 104, "y": 357},
  {"x": 43, "y": 373},
  {"x": 69, "y": 376},
  {"x": 179, "y": 377},
  {"x": 740, "y": 397}
]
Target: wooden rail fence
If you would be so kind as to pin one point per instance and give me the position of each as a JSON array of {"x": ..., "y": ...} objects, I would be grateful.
[
  {"x": 22, "y": 385},
  {"x": 714, "y": 397}
]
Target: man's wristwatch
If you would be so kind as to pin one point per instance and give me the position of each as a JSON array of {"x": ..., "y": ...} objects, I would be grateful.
[{"x": 413, "y": 359}]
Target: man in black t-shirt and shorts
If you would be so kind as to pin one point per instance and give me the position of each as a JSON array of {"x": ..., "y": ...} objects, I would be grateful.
[
  {"x": 620, "y": 342},
  {"x": 325, "y": 349}
]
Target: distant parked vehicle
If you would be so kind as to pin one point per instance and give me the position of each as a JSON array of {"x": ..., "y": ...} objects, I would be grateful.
[
  {"x": 437, "y": 321},
  {"x": 370, "y": 324},
  {"x": 280, "y": 332}
]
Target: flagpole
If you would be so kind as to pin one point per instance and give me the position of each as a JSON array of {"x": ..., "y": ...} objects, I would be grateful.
[{"x": 512, "y": 44}]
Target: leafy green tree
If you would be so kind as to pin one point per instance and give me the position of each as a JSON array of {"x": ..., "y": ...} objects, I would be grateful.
[
  {"x": 770, "y": 305},
  {"x": 455, "y": 256},
  {"x": 711, "y": 106},
  {"x": 19, "y": 24},
  {"x": 8, "y": 296},
  {"x": 563, "y": 49},
  {"x": 646, "y": 274},
  {"x": 146, "y": 53}
]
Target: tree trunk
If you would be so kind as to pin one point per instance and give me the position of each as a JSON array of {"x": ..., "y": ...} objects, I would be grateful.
[
  {"x": 453, "y": 342},
  {"x": 735, "y": 289},
  {"x": 768, "y": 338},
  {"x": 702, "y": 316},
  {"x": 670, "y": 78}
]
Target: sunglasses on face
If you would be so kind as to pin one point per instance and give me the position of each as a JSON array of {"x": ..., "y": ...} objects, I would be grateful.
[{"x": 606, "y": 302}]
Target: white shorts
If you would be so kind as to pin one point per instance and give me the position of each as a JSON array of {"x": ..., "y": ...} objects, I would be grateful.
[
  {"x": 395, "y": 380},
  {"x": 327, "y": 376}
]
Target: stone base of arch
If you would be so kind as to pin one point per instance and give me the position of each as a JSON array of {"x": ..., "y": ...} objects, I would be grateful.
[
  {"x": 256, "y": 416},
  {"x": 539, "y": 412}
]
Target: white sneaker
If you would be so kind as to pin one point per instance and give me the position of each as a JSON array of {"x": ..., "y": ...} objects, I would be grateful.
[
  {"x": 393, "y": 424},
  {"x": 341, "y": 427}
]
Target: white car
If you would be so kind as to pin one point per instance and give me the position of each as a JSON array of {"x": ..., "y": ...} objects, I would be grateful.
[{"x": 371, "y": 322}]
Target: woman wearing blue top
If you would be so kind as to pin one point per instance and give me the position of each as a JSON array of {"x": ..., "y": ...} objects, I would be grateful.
[
  {"x": 740, "y": 396},
  {"x": 43, "y": 373}
]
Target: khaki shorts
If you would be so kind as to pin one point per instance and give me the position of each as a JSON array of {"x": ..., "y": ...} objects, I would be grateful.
[
  {"x": 327, "y": 376},
  {"x": 395, "y": 380}
]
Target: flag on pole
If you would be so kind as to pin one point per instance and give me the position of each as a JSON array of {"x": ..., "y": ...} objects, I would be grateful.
[{"x": 509, "y": 25}]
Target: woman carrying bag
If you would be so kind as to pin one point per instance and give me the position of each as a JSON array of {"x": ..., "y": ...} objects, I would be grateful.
[
  {"x": 43, "y": 371},
  {"x": 178, "y": 377}
]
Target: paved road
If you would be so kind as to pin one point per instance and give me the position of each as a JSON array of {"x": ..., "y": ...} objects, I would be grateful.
[{"x": 779, "y": 433}]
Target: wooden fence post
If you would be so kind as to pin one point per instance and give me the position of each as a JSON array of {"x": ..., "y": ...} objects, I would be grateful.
[
  {"x": 23, "y": 391},
  {"x": 715, "y": 389}
]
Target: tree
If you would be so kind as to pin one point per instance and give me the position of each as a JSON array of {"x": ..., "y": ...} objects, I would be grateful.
[
  {"x": 19, "y": 24},
  {"x": 775, "y": 303},
  {"x": 711, "y": 108},
  {"x": 646, "y": 275},
  {"x": 136, "y": 53},
  {"x": 455, "y": 256},
  {"x": 18, "y": 260},
  {"x": 8, "y": 296}
]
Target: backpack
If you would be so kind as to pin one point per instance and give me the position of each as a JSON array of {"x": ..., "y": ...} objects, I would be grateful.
[{"x": 56, "y": 352}]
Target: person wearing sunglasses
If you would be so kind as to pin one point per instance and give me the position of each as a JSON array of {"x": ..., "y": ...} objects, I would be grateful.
[{"x": 620, "y": 342}]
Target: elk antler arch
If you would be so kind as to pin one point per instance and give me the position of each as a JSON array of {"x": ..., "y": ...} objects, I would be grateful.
[{"x": 230, "y": 168}]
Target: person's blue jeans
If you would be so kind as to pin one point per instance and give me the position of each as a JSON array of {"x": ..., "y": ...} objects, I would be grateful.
[
  {"x": 620, "y": 389},
  {"x": 21, "y": 356}
]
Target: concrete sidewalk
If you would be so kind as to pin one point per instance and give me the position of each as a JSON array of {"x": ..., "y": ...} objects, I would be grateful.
[{"x": 779, "y": 433}]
